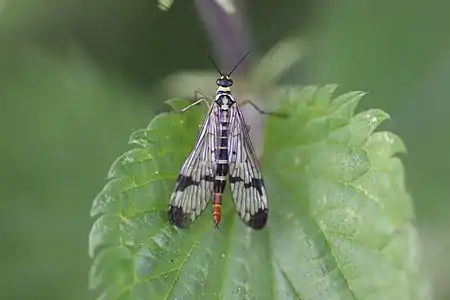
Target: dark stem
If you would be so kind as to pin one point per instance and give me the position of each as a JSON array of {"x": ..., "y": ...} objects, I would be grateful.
[{"x": 228, "y": 33}]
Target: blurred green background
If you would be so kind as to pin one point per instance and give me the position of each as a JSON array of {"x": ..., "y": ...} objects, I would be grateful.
[{"x": 77, "y": 77}]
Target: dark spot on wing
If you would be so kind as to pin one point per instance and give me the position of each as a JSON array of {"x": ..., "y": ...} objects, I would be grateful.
[
  {"x": 259, "y": 219},
  {"x": 186, "y": 181},
  {"x": 177, "y": 217},
  {"x": 255, "y": 183}
]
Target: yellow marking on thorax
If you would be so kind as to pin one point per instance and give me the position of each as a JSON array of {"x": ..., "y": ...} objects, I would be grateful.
[{"x": 223, "y": 89}]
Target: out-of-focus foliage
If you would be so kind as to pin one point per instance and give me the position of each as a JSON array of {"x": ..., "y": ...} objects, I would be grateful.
[
  {"x": 62, "y": 122},
  {"x": 165, "y": 4},
  {"x": 64, "y": 117}
]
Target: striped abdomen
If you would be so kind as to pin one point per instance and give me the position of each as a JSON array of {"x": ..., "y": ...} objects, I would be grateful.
[{"x": 222, "y": 166}]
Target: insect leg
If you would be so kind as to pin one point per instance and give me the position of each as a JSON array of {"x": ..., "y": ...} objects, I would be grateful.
[
  {"x": 275, "y": 114},
  {"x": 202, "y": 99},
  {"x": 202, "y": 94}
]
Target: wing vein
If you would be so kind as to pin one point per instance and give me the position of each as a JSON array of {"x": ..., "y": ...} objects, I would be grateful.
[
  {"x": 246, "y": 182},
  {"x": 194, "y": 186}
]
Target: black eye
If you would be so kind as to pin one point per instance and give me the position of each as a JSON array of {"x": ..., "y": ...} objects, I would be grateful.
[{"x": 225, "y": 82}]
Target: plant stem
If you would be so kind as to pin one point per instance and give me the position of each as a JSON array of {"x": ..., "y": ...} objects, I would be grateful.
[{"x": 228, "y": 33}]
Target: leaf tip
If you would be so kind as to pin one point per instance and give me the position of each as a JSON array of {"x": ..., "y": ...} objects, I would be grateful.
[
  {"x": 374, "y": 117},
  {"x": 139, "y": 137},
  {"x": 346, "y": 104}
]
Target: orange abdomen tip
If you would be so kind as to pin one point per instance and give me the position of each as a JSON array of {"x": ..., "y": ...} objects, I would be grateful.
[{"x": 216, "y": 214}]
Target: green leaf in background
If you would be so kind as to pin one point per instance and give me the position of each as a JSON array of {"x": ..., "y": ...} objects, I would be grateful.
[
  {"x": 165, "y": 5},
  {"x": 339, "y": 224}
]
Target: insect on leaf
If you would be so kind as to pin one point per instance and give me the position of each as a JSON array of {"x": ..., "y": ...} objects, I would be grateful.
[{"x": 340, "y": 222}]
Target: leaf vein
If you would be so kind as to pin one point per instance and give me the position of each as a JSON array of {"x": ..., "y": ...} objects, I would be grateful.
[
  {"x": 177, "y": 276},
  {"x": 338, "y": 266},
  {"x": 290, "y": 283}
]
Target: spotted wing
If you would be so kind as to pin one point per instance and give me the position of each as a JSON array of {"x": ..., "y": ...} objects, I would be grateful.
[
  {"x": 194, "y": 186},
  {"x": 246, "y": 182}
]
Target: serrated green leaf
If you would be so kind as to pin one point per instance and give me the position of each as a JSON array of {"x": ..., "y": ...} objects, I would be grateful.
[{"x": 340, "y": 224}]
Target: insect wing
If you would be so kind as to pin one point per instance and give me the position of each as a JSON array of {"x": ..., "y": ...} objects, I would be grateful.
[
  {"x": 194, "y": 186},
  {"x": 246, "y": 182}
]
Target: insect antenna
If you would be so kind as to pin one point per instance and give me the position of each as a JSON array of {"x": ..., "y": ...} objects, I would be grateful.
[
  {"x": 251, "y": 49},
  {"x": 240, "y": 61},
  {"x": 215, "y": 65}
]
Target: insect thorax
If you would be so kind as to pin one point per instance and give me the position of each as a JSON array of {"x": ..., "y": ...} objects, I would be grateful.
[{"x": 224, "y": 100}]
